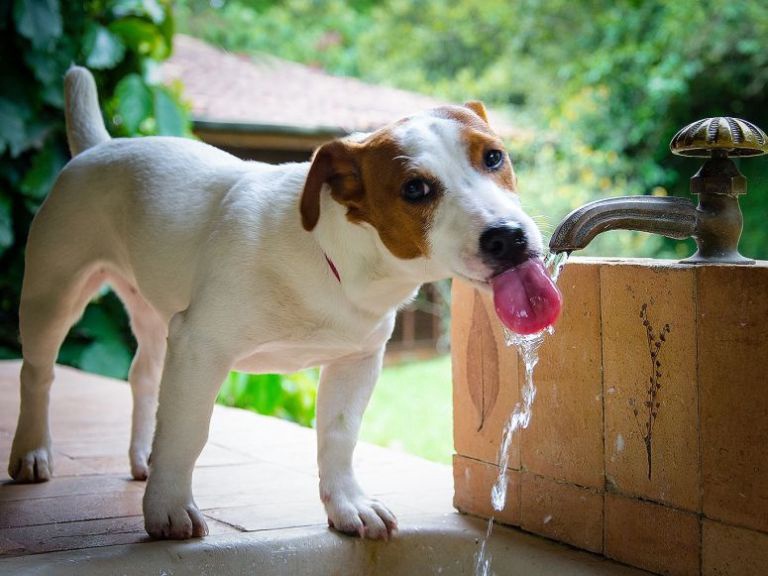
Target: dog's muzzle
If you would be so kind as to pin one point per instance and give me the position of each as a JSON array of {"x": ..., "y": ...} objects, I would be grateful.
[{"x": 503, "y": 246}]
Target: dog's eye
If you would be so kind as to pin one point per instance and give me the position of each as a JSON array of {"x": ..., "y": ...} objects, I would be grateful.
[
  {"x": 416, "y": 190},
  {"x": 493, "y": 159}
]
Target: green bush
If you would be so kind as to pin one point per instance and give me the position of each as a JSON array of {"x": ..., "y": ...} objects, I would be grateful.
[
  {"x": 122, "y": 42},
  {"x": 290, "y": 397}
]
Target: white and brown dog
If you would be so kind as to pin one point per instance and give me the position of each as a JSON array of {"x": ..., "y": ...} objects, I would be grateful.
[{"x": 224, "y": 264}]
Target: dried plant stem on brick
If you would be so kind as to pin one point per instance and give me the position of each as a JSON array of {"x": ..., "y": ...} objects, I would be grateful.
[{"x": 649, "y": 410}]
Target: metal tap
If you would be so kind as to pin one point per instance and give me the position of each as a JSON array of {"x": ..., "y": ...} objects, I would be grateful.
[{"x": 715, "y": 223}]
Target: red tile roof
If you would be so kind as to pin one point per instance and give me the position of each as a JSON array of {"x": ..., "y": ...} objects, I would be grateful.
[
  {"x": 226, "y": 87},
  {"x": 266, "y": 91}
]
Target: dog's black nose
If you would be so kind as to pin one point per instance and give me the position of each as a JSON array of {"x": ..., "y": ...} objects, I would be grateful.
[{"x": 504, "y": 245}]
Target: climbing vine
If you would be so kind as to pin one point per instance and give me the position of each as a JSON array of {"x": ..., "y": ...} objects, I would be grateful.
[{"x": 122, "y": 42}]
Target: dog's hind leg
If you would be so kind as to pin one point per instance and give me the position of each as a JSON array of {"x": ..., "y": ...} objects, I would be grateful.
[
  {"x": 50, "y": 304},
  {"x": 146, "y": 369}
]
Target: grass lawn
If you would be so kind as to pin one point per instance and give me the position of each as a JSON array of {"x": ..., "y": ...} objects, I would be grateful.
[{"x": 411, "y": 409}]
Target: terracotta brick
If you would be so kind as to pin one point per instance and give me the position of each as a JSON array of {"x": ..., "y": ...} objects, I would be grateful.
[
  {"x": 564, "y": 439},
  {"x": 70, "y": 508},
  {"x": 562, "y": 512},
  {"x": 733, "y": 372},
  {"x": 485, "y": 384},
  {"x": 652, "y": 536},
  {"x": 731, "y": 551},
  {"x": 71, "y": 535},
  {"x": 661, "y": 294},
  {"x": 473, "y": 481},
  {"x": 63, "y": 487}
]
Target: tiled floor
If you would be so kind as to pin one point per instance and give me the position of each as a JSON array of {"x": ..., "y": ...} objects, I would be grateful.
[{"x": 256, "y": 473}]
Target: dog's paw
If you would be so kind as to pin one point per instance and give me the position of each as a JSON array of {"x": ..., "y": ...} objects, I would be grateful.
[
  {"x": 30, "y": 464},
  {"x": 139, "y": 464},
  {"x": 179, "y": 522},
  {"x": 352, "y": 512}
]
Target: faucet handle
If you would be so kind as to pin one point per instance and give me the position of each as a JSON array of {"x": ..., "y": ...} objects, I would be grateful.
[{"x": 719, "y": 137}]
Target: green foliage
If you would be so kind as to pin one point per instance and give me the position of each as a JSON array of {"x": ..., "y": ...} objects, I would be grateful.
[
  {"x": 411, "y": 409},
  {"x": 121, "y": 41},
  {"x": 319, "y": 33},
  {"x": 599, "y": 87},
  {"x": 101, "y": 341},
  {"x": 40, "y": 21},
  {"x": 291, "y": 397},
  {"x": 610, "y": 83}
]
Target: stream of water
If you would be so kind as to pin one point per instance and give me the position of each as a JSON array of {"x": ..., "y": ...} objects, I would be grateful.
[{"x": 528, "y": 350}]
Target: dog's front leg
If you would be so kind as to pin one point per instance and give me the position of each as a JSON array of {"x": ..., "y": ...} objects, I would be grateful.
[
  {"x": 344, "y": 391},
  {"x": 195, "y": 366}
]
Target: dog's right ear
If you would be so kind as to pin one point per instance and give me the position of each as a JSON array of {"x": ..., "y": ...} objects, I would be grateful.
[
  {"x": 478, "y": 108},
  {"x": 333, "y": 164}
]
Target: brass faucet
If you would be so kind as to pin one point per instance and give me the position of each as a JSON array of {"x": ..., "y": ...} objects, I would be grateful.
[{"x": 715, "y": 223}]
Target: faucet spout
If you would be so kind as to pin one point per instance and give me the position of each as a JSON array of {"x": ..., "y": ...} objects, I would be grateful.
[
  {"x": 669, "y": 216},
  {"x": 715, "y": 223}
]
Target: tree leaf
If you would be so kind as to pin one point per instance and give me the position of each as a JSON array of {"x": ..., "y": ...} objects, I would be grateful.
[
  {"x": 53, "y": 95},
  {"x": 71, "y": 352},
  {"x": 171, "y": 120},
  {"x": 104, "y": 49},
  {"x": 39, "y": 21},
  {"x": 144, "y": 8},
  {"x": 6, "y": 224},
  {"x": 108, "y": 358},
  {"x": 98, "y": 324},
  {"x": 12, "y": 129},
  {"x": 39, "y": 179},
  {"x": 8, "y": 353},
  {"x": 142, "y": 37},
  {"x": 19, "y": 130},
  {"x": 134, "y": 101},
  {"x": 47, "y": 69}
]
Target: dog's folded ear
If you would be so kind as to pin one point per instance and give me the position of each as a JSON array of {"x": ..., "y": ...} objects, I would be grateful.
[
  {"x": 478, "y": 108},
  {"x": 333, "y": 164}
]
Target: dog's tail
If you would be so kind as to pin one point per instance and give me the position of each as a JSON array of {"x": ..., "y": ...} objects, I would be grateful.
[{"x": 85, "y": 125}]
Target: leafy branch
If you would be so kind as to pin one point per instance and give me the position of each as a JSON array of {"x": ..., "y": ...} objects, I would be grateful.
[{"x": 122, "y": 42}]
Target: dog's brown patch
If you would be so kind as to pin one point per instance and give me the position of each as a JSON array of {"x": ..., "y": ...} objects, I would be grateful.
[
  {"x": 367, "y": 177},
  {"x": 478, "y": 108},
  {"x": 466, "y": 116},
  {"x": 479, "y": 139},
  {"x": 333, "y": 164},
  {"x": 403, "y": 226},
  {"x": 478, "y": 143}
]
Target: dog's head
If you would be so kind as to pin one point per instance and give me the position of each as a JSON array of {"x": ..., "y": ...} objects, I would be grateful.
[{"x": 437, "y": 187}]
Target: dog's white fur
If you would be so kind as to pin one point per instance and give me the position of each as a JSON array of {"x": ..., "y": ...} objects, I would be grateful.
[{"x": 209, "y": 255}]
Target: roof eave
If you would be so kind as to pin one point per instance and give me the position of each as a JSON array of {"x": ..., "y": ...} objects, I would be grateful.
[{"x": 260, "y": 136}]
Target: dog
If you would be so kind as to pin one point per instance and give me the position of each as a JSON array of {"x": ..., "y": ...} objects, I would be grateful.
[{"x": 225, "y": 264}]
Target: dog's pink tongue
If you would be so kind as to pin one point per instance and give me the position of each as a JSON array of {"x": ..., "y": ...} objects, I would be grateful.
[{"x": 526, "y": 299}]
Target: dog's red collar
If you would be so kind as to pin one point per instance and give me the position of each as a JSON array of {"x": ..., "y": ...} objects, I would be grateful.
[{"x": 333, "y": 267}]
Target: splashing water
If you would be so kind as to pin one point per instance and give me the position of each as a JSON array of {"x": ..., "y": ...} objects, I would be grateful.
[
  {"x": 528, "y": 349},
  {"x": 483, "y": 564},
  {"x": 555, "y": 262}
]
